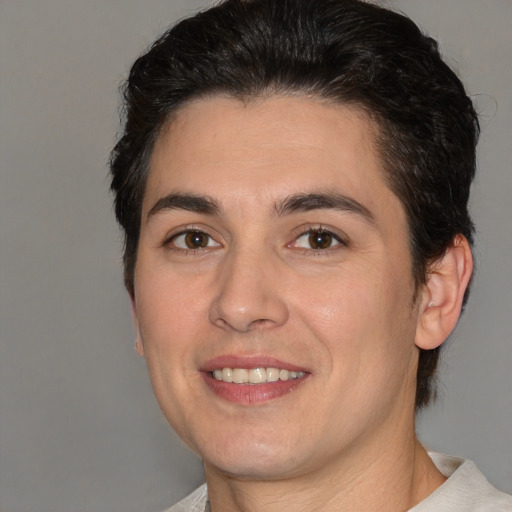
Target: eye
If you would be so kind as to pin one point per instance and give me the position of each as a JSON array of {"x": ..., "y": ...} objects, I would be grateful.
[
  {"x": 318, "y": 239},
  {"x": 193, "y": 239}
]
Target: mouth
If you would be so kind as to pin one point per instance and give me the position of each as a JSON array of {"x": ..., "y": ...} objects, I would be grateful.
[
  {"x": 255, "y": 375},
  {"x": 252, "y": 381}
]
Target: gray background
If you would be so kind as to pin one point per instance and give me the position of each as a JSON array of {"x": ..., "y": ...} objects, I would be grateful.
[{"x": 79, "y": 427}]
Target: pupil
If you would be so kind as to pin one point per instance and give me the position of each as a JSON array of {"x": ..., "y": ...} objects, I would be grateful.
[
  {"x": 195, "y": 240},
  {"x": 320, "y": 240}
]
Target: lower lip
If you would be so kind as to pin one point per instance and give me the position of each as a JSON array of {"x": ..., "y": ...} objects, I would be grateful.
[{"x": 251, "y": 394}]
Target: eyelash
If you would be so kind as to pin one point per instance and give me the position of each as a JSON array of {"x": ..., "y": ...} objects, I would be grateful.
[
  {"x": 319, "y": 230},
  {"x": 170, "y": 242},
  {"x": 335, "y": 239}
]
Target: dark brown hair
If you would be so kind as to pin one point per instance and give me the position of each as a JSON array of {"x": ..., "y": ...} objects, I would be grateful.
[{"x": 347, "y": 51}]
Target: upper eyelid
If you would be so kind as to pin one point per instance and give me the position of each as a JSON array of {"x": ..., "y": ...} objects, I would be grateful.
[
  {"x": 334, "y": 235},
  {"x": 183, "y": 230},
  {"x": 338, "y": 234},
  {"x": 320, "y": 230},
  {"x": 187, "y": 231}
]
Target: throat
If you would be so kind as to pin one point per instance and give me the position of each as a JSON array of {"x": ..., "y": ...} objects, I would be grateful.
[{"x": 328, "y": 490}]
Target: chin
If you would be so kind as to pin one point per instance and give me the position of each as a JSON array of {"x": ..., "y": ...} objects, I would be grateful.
[
  {"x": 251, "y": 459},
  {"x": 254, "y": 470}
]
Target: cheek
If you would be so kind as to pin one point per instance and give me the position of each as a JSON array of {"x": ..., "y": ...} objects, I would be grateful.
[
  {"x": 168, "y": 321},
  {"x": 342, "y": 306},
  {"x": 168, "y": 309},
  {"x": 364, "y": 316}
]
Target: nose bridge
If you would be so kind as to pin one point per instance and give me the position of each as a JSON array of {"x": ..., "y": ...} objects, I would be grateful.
[{"x": 248, "y": 295}]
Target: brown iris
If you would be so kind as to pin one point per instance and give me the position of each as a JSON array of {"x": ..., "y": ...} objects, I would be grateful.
[
  {"x": 320, "y": 239},
  {"x": 196, "y": 240}
]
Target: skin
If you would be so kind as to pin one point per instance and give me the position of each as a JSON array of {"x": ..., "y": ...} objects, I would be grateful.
[{"x": 344, "y": 437}]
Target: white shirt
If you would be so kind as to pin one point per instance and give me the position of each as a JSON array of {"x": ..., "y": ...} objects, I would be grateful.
[{"x": 465, "y": 490}]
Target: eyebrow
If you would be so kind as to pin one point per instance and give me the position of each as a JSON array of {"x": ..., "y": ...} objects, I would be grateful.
[
  {"x": 291, "y": 204},
  {"x": 189, "y": 202},
  {"x": 322, "y": 201}
]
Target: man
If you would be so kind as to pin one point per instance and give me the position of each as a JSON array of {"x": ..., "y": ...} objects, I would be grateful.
[{"x": 293, "y": 182}]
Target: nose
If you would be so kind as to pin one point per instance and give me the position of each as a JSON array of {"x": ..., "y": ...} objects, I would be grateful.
[{"x": 249, "y": 294}]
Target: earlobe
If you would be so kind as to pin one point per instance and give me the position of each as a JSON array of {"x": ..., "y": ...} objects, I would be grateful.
[
  {"x": 139, "y": 347},
  {"x": 443, "y": 294}
]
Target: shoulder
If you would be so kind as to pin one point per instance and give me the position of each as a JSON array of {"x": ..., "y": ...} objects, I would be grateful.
[
  {"x": 465, "y": 490},
  {"x": 194, "y": 502}
]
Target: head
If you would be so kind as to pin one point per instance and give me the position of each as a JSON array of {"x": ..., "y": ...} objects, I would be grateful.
[{"x": 347, "y": 52}]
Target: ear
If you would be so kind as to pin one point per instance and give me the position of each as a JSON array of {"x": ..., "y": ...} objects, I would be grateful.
[
  {"x": 443, "y": 294},
  {"x": 139, "y": 347}
]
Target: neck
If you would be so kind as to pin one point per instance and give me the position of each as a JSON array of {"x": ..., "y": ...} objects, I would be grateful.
[{"x": 398, "y": 478}]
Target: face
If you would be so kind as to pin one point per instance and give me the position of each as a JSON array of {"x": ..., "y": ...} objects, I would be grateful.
[{"x": 273, "y": 287}]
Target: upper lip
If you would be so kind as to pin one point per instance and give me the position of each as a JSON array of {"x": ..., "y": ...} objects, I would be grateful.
[{"x": 249, "y": 362}]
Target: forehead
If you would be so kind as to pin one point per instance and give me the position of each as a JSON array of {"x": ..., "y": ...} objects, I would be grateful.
[{"x": 266, "y": 149}]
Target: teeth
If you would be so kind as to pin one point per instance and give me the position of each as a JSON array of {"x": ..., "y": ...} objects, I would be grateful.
[
  {"x": 240, "y": 375},
  {"x": 257, "y": 375},
  {"x": 254, "y": 375},
  {"x": 227, "y": 375},
  {"x": 272, "y": 374}
]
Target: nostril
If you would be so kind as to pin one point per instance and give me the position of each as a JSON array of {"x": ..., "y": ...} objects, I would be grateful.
[
  {"x": 240, "y": 325},
  {"x": 261, "y": 322}
]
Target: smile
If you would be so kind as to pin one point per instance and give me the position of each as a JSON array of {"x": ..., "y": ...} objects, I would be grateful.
[{"x": 254, "y": 375}]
